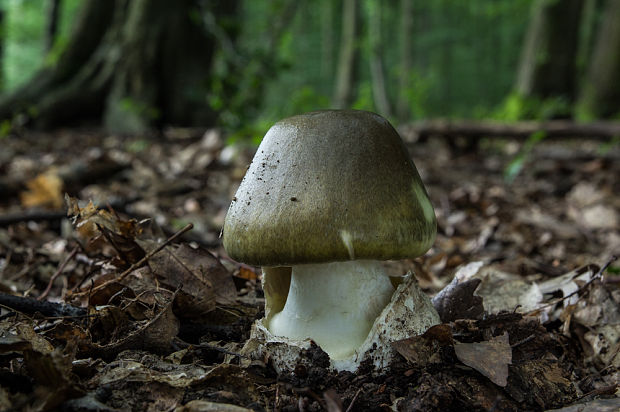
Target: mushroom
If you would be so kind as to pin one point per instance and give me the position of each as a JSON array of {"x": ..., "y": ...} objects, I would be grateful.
[{"x": 329, "y": 196}]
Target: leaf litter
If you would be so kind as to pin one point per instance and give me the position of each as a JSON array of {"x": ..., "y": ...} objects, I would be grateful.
[{"x": 136, "y": 313}]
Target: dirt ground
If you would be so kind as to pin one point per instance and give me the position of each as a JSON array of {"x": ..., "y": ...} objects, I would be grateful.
[{"x": 118, "y": 305}]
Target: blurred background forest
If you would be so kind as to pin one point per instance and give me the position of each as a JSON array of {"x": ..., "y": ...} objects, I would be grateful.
[{"x": 241, "y": 64}]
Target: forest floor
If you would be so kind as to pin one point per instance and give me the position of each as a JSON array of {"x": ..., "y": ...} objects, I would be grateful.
[{"x": 86, "y": 325}]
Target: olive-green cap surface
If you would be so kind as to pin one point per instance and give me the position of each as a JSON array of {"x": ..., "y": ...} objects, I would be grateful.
[{"x": 326, "y": 186}]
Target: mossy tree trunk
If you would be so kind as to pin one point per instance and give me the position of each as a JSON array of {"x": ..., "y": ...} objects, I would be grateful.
[
  {"x": 548, "y": 60},
  {"x": 130, "y": 65}
]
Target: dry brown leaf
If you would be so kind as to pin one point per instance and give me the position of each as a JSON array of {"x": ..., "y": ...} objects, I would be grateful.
[
  {"x": 90, "y": 223},
  {"x": 247, "y": 273},
  {"x": 45, "y": 190},
  {"x": 50, "y": 368},
  {"x": 599, "y": 315},
  {"x": 457, "y": 301},
  {"x": 490, "y": 358},
  {"x": 155, "y": 335},
  {"x": 424, "y": 349},
  {"x": 203, "y": 280}
]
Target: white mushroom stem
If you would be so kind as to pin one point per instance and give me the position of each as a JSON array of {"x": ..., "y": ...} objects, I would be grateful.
[{"x": 334, "y": 304}]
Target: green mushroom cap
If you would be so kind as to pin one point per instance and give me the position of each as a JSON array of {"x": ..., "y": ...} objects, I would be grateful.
[{"x": 326, "y": 186}]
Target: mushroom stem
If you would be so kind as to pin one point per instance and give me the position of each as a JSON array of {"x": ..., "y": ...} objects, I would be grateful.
[{"x": 334, "y": 304}]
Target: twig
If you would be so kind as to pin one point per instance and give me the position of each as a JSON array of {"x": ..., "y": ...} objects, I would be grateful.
[
  {"x": 276, "y": 402},
  {"x": 38, "y": 216},
  {"x": 353, "y": 400},
  {"x": 61, "y": 268},
  {"x": 31, "y": 305},
  {"x": 597, "y": 276},
  {"x": 605, "y": 390},
  {"x": 522, "y": 341},
  {"x": 138, "y": 263}
]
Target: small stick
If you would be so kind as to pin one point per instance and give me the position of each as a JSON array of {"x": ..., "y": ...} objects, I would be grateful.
[
  {"x": 598, "y": 275},
  {"x": 276, "y": 402},
  {"x": 605, "y": 390},
  {"x": 49, "y": 309},
  {"x": 61, "y": 268},
  {"x": 138, "y": 263},
  {"x": 353, "y": 400},
  {"x": 522, "y": 341}
]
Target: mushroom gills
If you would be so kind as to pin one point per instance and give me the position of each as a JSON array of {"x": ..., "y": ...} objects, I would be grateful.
[{"x": 334, "y": 304}]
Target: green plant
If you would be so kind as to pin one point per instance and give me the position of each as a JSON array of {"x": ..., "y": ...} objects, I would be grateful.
[
  {"x": 517, "y": 107},
  {"x": 5, "y": 128},
  {"x": 364, "y": 99}
]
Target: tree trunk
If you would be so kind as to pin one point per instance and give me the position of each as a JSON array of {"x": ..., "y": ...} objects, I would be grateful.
[
  {"x": 327, "y": 39},
  {"x": 600, "y": 93},
  {"x": 549, "y": 56},
  {"x": 343, "y": 94},
  {"x": 2, "y": 36},
  {"x": 130, "y": 64},
  {"x": 406, "y": 26},
  {"x": 52, "y": 23},
  {"x": 89, "y": 31},
  {"x": 379, "y": 92}
]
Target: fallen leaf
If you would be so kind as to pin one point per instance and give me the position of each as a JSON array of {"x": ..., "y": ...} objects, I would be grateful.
[
  {"x": 97, "y": 229},
  {"x": 204, "y": 281},
  {"x": 490, "y": 358},
  {"x": 599, "y": 315},
  {"x": 45, "y": 190},
  {"x": 424, "y": 349},
  {"x": 457, "y": 301}
]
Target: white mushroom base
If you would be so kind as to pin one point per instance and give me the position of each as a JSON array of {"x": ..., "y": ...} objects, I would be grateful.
[
  {"x": 334, "y": 304},
  {"x": 408, "y": 313}
]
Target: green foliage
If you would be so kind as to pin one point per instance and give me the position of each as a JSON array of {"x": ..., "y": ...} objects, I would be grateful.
[
  {"x": 23, "y": 52},
  {"x": 517, "y": 107},
  {"x": 252, "y": 133},
  {"x": 5, "y": 128},
  {"x": 23, "y": 37},
  {"x": 364, "y": 99},
  {"x": 307, "y": 99},
  {"x": 418, "y": 93}
]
